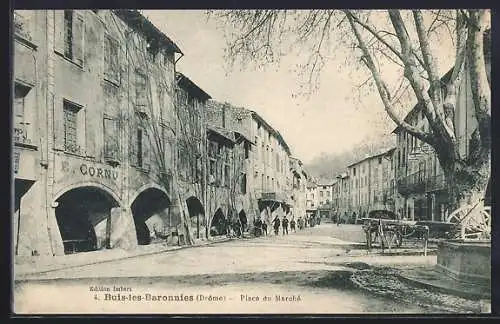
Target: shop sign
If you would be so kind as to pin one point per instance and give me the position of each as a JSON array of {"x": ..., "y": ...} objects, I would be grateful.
[{"x": 98, "y": 172}]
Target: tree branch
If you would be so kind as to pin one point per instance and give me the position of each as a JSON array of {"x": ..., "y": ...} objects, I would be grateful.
[
  {"x": 376, "y": 34},
  {"x": 411, "y": 73},
  {"x": 382, "y": 87}
]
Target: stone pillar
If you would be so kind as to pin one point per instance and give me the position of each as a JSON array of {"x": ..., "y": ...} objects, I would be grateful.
[
  {"x": 123, "y": 233},
  {"x": 37, "y": 227}
]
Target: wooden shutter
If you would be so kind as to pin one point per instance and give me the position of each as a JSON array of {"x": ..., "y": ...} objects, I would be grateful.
[
  {"x": 132, "y": 143},
  {"x": 78, "y": 38},
  {"x": 90, "y": 133},
  {"x": 59, "y": 31},
  {"x": 111, "y": 135},
  {"x": 146, "y": 151},
  {"x": 58, "y": 127}
]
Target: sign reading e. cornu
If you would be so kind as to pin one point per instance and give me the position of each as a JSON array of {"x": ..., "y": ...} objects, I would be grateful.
[{"x": 98, "y": 172}]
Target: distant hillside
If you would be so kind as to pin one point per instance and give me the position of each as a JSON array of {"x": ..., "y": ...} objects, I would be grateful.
[{"x": 328, "y": 165}]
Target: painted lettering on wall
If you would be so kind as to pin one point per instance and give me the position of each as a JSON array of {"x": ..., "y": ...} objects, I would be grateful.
[{"x": 98, "y": 172}]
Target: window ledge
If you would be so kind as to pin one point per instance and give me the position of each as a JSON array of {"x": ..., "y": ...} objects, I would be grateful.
[
  {"x": 26, "y": 146},
  {"x": 76, "y": 154},
  {"x": 142, "y": 169},
  {"x": 25, "y": 40},
  {"x": 67, "y": 59},
  {"x": 110, "y": 81}
]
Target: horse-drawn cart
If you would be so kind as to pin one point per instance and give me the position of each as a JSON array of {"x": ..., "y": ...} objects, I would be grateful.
[
  {"x": 382, "y": 226},
  {"x": 387, "y": 229}
]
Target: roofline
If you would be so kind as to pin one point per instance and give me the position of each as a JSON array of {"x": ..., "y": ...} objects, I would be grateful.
[
  {"x": 372, "y": 157},
  {"x": 276, "y": 133},
  {"x": 190, "y": 86},
  {"x": 445, "y": 78},
  {"x": 136, "y": 20}
]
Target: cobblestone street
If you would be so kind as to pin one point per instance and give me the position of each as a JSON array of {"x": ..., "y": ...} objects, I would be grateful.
[{"x": 312, "y": 271}]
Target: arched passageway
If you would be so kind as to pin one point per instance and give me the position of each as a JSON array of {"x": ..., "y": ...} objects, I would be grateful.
[
  {"x": 151, "y": 215},
  {"x": 218, "y": 226},
  {"x": 197, "y": 216},
  {"x": 84, "y": 218}
]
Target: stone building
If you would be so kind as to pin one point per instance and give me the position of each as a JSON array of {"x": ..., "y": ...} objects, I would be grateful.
[
  {"x": 299, "y": 182},
  {"x": 370, "y": 182},
  {"x": 272, "y": 177},
  {"x": 94, "y": 89},
  {"x": 229, "y": 193},
  {"x": 191, "y": 106},
  {"x": 311, "y": 197},
  {"x": 343, "y": 195}
]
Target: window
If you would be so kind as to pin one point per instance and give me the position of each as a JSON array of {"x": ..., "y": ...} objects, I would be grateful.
[
  {"x": 21, "y": 124},
  {"x": 73, "y": 32},
  {"x": 226, "y": 175},
  {"x": 141, "y": 95},
  {"x": 379, "y": 160},
  {"x": 68, "y": 33},
  {"x": 111, "y": 139},
  {"x": 111, "y": 63},
  {"x": 139, "y": 143},
  {"x": 212, "y": 161},
  {"x": 71, "y": 127},
  {"x": 243, "y": 184},
  {"x": 354, "y": 171},
  {"x": 247, "y": 150}
]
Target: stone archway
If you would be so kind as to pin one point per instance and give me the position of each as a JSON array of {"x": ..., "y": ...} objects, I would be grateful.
[
  {"x": 196, "y": 215},
  {"x": 151, "y": 213},
  {"x": 218, "y": 225},
  {"x": 83, "y": 216}
]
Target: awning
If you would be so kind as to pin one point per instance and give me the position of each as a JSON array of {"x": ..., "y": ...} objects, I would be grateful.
[{"x": 221, "y": 132}]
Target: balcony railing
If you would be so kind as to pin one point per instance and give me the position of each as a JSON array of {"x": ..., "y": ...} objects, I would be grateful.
[{"x": 421, "y": 182}]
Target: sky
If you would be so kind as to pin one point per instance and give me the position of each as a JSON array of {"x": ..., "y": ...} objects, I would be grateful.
[{"x": 327, "y": 122}]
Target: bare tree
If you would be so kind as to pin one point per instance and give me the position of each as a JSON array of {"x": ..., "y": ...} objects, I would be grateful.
[{"x": 401, "y": 40}]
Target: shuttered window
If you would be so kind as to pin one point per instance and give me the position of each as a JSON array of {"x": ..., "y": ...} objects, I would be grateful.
[
  {"x": 141, "y": 95},
  {"x": 73, "y": 36},
  {"x": 111, "y": 62},
  {"x": 111, "y": 139},
  {"x": 70, "y": 127}
]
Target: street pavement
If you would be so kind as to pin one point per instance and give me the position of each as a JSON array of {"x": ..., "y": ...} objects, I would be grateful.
[{"x": 324, "y": 270}]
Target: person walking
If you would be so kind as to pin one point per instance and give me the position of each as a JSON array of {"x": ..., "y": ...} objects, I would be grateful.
[
  {"x": 284, "y": 225},
  {"x": 276, "y": 223},
  {"x": 292, "y": 225}
]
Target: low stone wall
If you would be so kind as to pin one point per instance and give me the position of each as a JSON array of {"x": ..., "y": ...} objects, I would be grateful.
[{"x": 468, "y": 261}]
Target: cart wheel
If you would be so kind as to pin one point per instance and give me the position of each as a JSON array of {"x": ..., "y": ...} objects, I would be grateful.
[
  {"x": 399, "y": 241},
  {"x": 392, "y": 239}
]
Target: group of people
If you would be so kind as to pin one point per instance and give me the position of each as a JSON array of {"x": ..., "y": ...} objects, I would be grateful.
[{"x": 260, "y": 227}]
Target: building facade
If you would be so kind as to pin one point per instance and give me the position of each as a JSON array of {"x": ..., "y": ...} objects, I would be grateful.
[
  {"x": 103, "y": 84},
  {"x": 272, "y": 176},
  {"x": 312, "y": 201},
  {"x": 370, "y": 185},
  {"x": 191, "y": 149},
  {"x": 299, "y": 182},
  {"x": 230, "y": 191}
]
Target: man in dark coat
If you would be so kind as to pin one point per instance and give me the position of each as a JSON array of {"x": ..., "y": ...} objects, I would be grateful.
[
  {"x": 276, "y": 223},
  {"x": 284, "y": 225}
]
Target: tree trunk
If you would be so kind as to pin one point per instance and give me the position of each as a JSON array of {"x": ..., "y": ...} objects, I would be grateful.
[{"x": 466, "y": 190}]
